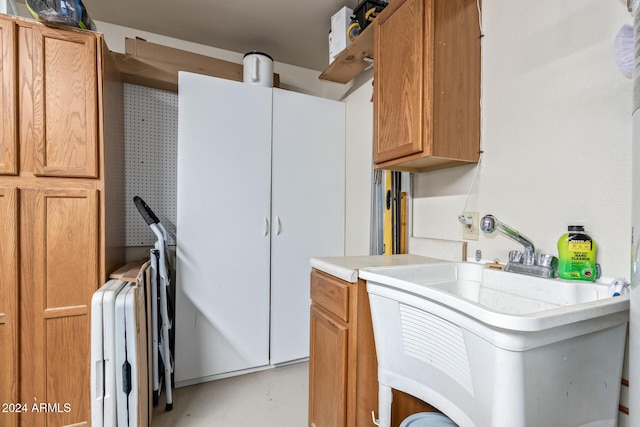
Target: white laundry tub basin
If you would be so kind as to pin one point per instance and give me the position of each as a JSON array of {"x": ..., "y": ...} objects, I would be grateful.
[{"x": 496, "y": 349}]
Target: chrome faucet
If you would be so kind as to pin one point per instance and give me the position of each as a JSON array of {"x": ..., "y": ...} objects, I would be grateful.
[
  {"x": 490, "y": 224},
  {"x": 544, "y": 266}
]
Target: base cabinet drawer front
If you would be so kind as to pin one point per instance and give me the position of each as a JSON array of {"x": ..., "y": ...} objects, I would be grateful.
[
  {"x": 327, "y": 370},
  {"x": 331, "y": 293}
]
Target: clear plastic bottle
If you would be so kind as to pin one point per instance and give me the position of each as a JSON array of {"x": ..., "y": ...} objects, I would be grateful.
[{"x": 577, "y": 255}]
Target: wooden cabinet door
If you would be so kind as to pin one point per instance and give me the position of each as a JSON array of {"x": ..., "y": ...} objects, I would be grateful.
[
  {"x": 58, "y": 275},
  {"x": 8, "y": 99},
  {"x": 401, "y": 84},
  {"x": 327, "y": 370},
  {"x": 66, "y": 97},
  {"x": 8, "y": 304}
]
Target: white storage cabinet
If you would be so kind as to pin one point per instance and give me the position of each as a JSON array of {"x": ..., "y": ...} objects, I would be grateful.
[{"x": 261, "y": 188}]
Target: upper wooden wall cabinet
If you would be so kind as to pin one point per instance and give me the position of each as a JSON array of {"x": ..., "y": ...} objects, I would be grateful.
[
  {"x": 54, "y": 102},
  {"x": 426, "y": 85}
]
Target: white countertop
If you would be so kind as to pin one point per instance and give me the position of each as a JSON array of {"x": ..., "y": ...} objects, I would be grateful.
[{"x": 346, "y": 267}]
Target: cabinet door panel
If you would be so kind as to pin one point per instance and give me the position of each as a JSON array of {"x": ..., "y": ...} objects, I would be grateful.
[
  {"x": 59, "y": 273},
  {"x": 307, "y": 205},
  {"x": 8, "y": 103},
  {"x": 222, "y": 266},
  {"x": 66, "y": 113},
  {"x": 8, "y": 303},
  {"x": 327, "y": 371},
  {"x": 401, "y": 122}
]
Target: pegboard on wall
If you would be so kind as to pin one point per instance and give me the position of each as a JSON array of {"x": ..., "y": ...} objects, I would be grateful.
[{"x": 151, "y": 144}]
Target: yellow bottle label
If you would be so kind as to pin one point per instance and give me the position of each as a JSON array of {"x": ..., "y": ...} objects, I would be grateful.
[{"x": 580, "y": 246}]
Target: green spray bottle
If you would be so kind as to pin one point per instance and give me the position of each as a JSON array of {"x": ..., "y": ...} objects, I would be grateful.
[{"x": 576, "y": 255}]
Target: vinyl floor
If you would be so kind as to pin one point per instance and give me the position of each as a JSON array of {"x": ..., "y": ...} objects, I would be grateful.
[{"x": 276, "y": 397}]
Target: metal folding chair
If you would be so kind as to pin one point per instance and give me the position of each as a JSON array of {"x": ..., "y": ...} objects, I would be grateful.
[{"x": 161, "y": 306}]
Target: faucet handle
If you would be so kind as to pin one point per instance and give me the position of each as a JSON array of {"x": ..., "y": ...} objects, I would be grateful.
[
  {"x": 515, "y": 256},
  {"x": 529, "y": 258},
  {"x": 547, "y": 260}
]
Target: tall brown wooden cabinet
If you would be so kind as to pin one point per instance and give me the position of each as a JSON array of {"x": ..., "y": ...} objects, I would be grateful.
[{"x": 61, "y": 214}]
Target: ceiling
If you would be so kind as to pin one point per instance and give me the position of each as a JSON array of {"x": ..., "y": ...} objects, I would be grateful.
[{"x": 292, "y": 32}]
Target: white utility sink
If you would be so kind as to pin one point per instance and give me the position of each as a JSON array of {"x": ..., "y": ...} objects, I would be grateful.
[
  {"x": 496, "y": 349},
  {"x": 501, "y": 299}
]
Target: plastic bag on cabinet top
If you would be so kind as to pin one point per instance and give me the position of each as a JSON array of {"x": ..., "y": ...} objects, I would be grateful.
[{"x": 71, "y": 13}]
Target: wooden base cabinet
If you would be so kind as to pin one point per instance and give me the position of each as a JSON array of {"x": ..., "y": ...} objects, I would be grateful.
[
  {"x": 343, "y": 369},
  {"x": 427, "y": 85},
  {"x": 61, "y": 215}
]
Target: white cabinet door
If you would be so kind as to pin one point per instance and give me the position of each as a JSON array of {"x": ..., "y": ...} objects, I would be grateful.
[
  {"x": 223, "y": 236},
  {"x": 307, "y": 208}
]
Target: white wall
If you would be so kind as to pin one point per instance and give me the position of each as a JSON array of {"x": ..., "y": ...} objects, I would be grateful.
[
  {"x": 556, "y": 133},
  {"x": 359, "y": 160}
]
